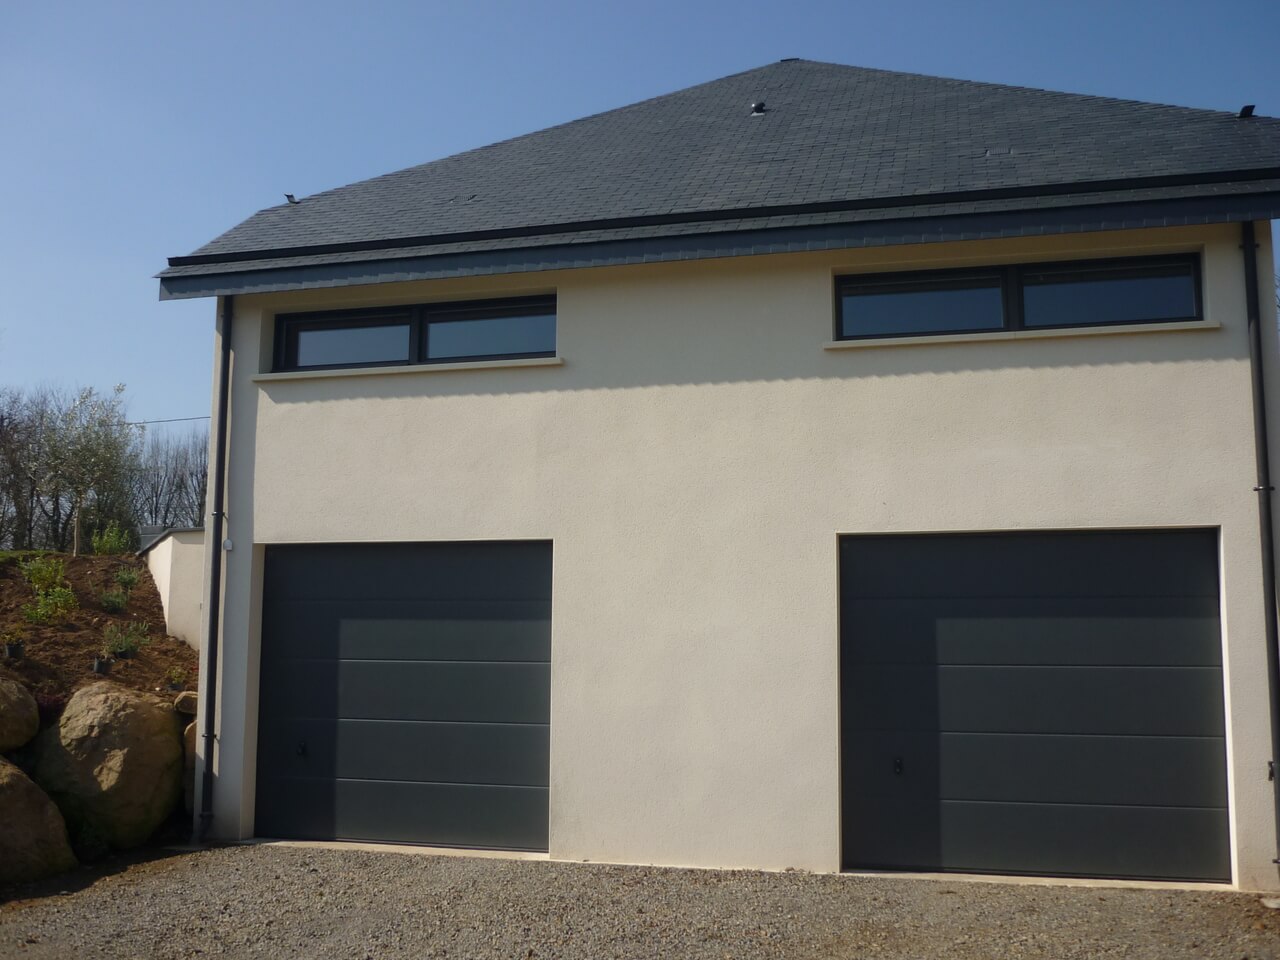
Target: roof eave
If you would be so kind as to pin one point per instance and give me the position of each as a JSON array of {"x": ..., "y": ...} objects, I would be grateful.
[{"x": 518, "y": 257}]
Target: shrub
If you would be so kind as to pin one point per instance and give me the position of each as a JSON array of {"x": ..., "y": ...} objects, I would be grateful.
[
  {"x": 111, "y": 540},
  {"x": 175, "y": 677},
  {"x": 54, "y": 605},
  {"x": 114, "y": 601},
  {"x": 127, "y": 577},
  {"x": 43, "y": 573},
  {"x": 124, "y": 638}
]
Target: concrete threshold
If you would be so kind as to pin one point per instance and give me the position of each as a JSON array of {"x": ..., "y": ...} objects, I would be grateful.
[
  {"x": 412, "y": 848},
  {"x": 989, "y": 878},
  {"x": 1093, "y": 883}
]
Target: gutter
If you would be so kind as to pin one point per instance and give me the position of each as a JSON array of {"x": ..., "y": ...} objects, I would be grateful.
[
  {"x": 1264, "y": 489},
  {"x": 216, "y": 516},
  {"x": 734, "y": 213}
]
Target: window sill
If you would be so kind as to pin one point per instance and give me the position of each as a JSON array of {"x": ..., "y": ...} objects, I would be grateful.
[
  {"x": 1055, "y": 334},
  {"x": 407, "y": 368}
]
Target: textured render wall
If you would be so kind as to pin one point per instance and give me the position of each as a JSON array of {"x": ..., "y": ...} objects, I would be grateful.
[
  {"x": 160, "y": 563},
  {"x": 179, "y": 561},
  {"x": 694, "y": 460}
]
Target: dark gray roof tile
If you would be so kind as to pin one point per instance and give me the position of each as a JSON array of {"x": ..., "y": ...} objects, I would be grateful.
[{"x": 830, "y": 134}]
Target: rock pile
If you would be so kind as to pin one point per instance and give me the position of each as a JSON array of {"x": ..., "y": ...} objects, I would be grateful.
[
  {"x": 19, "y": 716},
  {"x": 113, "y": 765},
  {"x": 103, "y": 778}
]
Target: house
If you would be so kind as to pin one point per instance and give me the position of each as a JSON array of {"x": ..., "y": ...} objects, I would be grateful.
[{"x": 820, "y": 467}]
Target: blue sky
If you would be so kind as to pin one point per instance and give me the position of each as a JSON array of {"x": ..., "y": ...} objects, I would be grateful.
[{"x": 136, "y": 130}]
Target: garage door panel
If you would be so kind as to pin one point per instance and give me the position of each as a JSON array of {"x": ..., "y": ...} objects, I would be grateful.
[
  {"x": 1168, "y": 701},
  {"x": 1148, "y": 631},
  {"x": 488, "y": 753},
  {"x": 1093, "y": 564},
  {"x": 1181, "y": 701},
  {"x": 405, "y": 693},
  {"x": 1144, "y": 771},
  {"x": 1034, "y": 703},
  {"x": 511, "y": 818},
  {"x": 426, "y": 571},
  {"x": 1119, "y": 841},
  {"x": 890, "y": 699},
  {"x": 895, "y": 833},
  {"x": 894, "y": 765},
  {"x": 410, "y": 630},
  {"x": 408, "y": 690}
]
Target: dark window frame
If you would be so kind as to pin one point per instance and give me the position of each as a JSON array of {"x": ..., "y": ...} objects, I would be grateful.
[
  {"x": 1011, "y": 281},
  {"x": 419, "y": 318}
]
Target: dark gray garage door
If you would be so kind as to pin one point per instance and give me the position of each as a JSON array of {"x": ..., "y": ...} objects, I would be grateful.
[
  {"x": 405, "y": 693},
  {"x": 1034, "y": 703}
]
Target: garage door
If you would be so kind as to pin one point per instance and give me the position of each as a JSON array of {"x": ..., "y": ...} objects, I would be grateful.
[
  {"x": 405, "y": 693},
  {"x": 1034, "y": 703}
]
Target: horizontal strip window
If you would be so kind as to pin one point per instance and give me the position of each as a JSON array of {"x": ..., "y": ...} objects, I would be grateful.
[
  {"x": 1023, "y": 297},
  {"x": 429, "y": 333}
]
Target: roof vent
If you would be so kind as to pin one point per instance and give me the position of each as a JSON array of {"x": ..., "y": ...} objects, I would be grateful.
[
  {"x": 1245, "y": 112},
  {"x": 757, "y": 109},
  {"x": 291, "y": 198}
]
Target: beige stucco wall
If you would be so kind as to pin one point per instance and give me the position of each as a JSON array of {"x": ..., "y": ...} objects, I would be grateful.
[
  {"x": 694, "y": 460},
  {"x": 177, "y": 566}
]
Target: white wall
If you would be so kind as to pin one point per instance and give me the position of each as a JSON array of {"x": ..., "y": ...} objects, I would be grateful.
[
  {"x": 694, "y": 460},
  {"x": 177, "y": 566}
]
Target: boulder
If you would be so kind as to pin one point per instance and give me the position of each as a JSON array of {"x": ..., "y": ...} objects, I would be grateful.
[
  {"x": 19, "y": 715},
  {"x": 186, "y": 702},
  {"x": 189, "y": 767},
  {"x": 113, "y": 765},
  {"x": 33, "y": 843}
]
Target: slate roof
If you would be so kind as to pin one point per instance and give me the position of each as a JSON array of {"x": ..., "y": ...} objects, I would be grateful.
[{"x": 835, "y": 142}]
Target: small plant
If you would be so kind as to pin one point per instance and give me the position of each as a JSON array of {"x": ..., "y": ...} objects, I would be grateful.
[
  {"x": 111, "y": 540},
  {"x": 43, "y": 573},
  {"x": 175, "y": 678},
  {"x": 127, "y": 578},
  {"x": 54, "y": 605},
  {"x": 14, "y": 645},
  {"x": 114, "y": 601},
  {"x": 123, "y": 641}
]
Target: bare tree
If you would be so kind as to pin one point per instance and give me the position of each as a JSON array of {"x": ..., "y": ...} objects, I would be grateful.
[{"x": 171, "y": 478}]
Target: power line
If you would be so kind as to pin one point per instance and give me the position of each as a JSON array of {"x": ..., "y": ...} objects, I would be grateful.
[{"x": 139, "y": 423}]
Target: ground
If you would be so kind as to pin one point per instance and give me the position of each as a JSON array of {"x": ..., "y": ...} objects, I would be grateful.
[
  {"x": 284, "y": 902},
  {"x": 57, "y": 659}
]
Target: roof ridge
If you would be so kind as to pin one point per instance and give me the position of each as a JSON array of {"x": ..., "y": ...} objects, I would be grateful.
[{"x": 992, "y": 84}]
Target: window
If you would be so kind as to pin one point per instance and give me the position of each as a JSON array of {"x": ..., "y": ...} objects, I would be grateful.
[
  {"x": 429, "y": 333},
  {"x": 898, "y": 306},
  {"x": 1029, "y": 296},
  {"x": 1066, "y": 295}
]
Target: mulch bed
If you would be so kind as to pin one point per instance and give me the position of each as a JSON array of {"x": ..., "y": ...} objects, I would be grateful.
[{"x": 57, "y": 657}]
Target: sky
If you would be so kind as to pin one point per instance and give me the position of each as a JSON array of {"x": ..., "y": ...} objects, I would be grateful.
[{"x": 132, "y": 131}]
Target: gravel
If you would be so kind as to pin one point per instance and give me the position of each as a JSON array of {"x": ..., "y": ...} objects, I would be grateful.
[{"x": 279, "y": 902}]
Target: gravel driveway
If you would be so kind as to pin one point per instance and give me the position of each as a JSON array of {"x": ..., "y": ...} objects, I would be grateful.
[{"x": 281, "y": 902}]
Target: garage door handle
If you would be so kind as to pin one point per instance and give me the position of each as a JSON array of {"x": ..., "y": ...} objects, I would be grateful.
[
  {"x": 302, "y": 748},
  {"x": 897, "y": 765}
]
